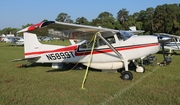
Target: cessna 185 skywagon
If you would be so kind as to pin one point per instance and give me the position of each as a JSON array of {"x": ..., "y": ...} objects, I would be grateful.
[{"x": 107, "y": 49}]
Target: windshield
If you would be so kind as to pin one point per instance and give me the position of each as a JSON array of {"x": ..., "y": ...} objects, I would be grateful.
[{"x": 124, "y": 35}]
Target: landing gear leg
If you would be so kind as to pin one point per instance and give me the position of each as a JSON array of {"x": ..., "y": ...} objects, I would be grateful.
[
  {"x": 126, "y": 75},
  {"x": 168, "y": 59}
]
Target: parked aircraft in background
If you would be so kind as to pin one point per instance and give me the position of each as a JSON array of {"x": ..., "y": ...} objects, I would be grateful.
[
  {"x": 8, "y": 39},
  {"x": 102, "y": 48},
  {"x": 18, "y": 41},
  {"x": 173, "y": 43},
  {"x": 170, "y": 42},
  {"x": 47, "y": 39}
]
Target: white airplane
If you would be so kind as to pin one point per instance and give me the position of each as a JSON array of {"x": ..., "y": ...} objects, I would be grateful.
[
  {"x": 19, "y": 41},
  {"x": 173, "y": 43},
  {"x": 8, "y": 39},
  {"x": 170, "y": 42},
  {"x": 106, "y": 49}
]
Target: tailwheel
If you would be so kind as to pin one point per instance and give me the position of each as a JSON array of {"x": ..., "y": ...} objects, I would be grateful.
[
  {"x": 22, "y": 66},
  {"x": 140, "y": 69},
  {"x": 127, "y": 75}
]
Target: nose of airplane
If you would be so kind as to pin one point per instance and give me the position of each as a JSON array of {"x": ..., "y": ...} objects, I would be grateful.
[{"x": 163, "y": 39}]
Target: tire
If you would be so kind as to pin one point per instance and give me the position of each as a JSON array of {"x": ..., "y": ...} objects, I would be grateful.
[{"x": 127, "y": 75}]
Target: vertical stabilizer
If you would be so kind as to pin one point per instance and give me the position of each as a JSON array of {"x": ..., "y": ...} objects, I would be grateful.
[
  {"x": 132, "y": 28},
  {"x": 31, "y": 42},
  {"x": 33, "y": 48}
]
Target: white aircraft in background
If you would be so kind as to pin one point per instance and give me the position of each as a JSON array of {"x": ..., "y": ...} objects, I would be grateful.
[
  {"x": 8, "y": 39},
  {"x": 173, "y": 43},
  {"x": 17, "y": 41},
  {"x": 106, "y": 49}
]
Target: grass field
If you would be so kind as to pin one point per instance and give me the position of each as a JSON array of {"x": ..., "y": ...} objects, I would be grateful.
[{"x": 40, "y": 85}]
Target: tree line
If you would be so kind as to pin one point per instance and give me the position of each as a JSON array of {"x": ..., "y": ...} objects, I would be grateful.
[{"x": 162, "y": 19}]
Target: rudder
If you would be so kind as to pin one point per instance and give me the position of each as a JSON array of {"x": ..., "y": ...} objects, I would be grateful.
[{"x": 31, "y": 42}]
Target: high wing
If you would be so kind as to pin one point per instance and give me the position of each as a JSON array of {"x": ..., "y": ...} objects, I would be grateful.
[
  {"x": 65, "y": 30},
  {"x": 165, "y": 34},
  {"x": 68, "y": 30},
  {"x": 167, "y": 37}
]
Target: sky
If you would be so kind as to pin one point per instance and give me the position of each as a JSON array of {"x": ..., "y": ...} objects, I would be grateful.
[{"x": 15, "y": 13}]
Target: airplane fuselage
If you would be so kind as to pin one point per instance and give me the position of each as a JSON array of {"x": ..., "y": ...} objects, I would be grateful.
[{"x": 133, "y": 48}]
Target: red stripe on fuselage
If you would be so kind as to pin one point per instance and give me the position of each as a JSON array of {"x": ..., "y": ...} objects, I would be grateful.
[
  {"x": 96, "y": 51},
  {"x": 69, "y": 48}
]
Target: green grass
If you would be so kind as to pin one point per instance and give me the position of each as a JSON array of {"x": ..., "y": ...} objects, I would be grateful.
[{"x": 159, "y": 85}]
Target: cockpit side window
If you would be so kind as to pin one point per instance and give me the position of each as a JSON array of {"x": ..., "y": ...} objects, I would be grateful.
[
  {"x": 110, "y": 39},
  {"x": 99, "y": 42},
  {"x": 88, "y": 44}
]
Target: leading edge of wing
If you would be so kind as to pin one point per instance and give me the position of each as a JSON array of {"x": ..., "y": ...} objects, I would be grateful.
[
  {"x": 84, "y": 27},
  {"x": 165, "y": 34},
  {"x": 45, "y": 27}
]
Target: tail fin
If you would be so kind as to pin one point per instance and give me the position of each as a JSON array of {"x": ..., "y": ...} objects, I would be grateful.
[
  {"x": 32, "y": 46},
  {"x": 134, "y": 31},
  {"x": 31, "y": 42},
  {"x": 132, "y": 28}
]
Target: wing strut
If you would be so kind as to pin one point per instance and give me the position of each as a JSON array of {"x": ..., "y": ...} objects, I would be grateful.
[
  {"x": 125, "y": 75},
  {"x": 119, "y": 55},
  {"x": 176, "y": 43}
]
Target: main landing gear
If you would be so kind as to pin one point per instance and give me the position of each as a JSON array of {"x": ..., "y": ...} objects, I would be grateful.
[{"x": 127, "y": 75}]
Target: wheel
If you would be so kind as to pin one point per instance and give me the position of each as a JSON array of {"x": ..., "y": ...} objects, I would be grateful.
[
  {"x": 140, "y": 69},
  {"x": 127, "y": 75}
]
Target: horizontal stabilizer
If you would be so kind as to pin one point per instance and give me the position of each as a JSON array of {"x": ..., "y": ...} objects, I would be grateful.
[{"x": 29, "y": 59}]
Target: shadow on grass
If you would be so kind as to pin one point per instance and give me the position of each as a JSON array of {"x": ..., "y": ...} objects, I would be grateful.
[
  {"x": 40, "y": 64},
  {"x": 167, "y": 53},
  {"x": 58, "y": 70},
  {"x": 33, "y": 65}
]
